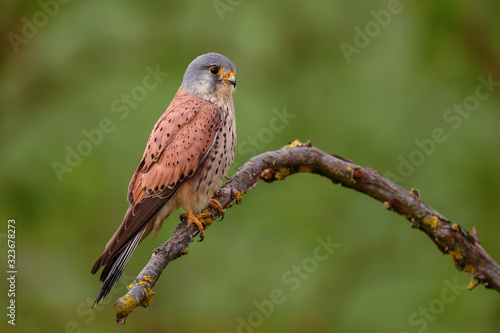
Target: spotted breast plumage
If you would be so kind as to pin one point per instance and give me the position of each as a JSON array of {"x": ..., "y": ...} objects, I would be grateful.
[{"x": 186, "y": 158}]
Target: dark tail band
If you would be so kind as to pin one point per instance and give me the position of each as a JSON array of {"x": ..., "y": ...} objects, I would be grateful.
[{"x": 111, "y": 275}]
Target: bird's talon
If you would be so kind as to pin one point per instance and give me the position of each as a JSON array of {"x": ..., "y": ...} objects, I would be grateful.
[
  {"x": 206, "y": 216},
  {"x": 215, "y": 204}
]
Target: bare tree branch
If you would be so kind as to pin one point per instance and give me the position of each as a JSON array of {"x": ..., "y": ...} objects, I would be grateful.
[{"x": 464, "y": 248}]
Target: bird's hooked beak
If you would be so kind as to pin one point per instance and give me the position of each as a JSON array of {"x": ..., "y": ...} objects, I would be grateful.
[{"x": 230, "y": 78}]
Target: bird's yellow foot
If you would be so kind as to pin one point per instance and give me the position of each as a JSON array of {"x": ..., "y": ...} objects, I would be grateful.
[
  {"x": 217, "y": 206},
  {"x": 192, "y": 218}
]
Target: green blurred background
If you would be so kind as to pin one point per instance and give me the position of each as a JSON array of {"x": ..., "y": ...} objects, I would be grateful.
[{"x": 61, "y": 75}]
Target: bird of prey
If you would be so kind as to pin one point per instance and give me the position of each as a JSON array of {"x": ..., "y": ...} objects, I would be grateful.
[{"x": 187, "y": 155}]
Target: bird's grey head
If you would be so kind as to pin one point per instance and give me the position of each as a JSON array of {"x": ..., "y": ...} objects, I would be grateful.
[{"x": 210, "y": 76}]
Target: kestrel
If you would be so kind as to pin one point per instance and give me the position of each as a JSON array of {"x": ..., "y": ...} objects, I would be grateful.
[{"x": 187, "y": 155}]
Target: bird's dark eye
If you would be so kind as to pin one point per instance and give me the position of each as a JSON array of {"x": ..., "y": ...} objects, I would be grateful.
[{"x": 214, "y": 70}]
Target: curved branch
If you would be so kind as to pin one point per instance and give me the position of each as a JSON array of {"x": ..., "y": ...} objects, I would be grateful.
[{"x": 464, "y": 248}]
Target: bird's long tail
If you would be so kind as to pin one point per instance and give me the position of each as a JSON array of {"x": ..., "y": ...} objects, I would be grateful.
[{"x": 115, "y": 266}]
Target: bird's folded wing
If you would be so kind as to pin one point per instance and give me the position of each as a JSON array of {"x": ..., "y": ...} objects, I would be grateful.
[{"x": 178, "y": 144}]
